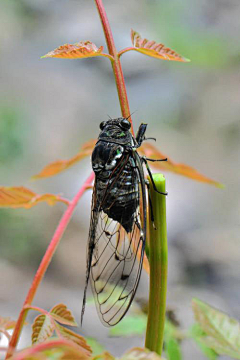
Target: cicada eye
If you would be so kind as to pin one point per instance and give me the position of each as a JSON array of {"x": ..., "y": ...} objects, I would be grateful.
[
  {"x": 102, "y": 125},
  {"x": 125, "y": 124}
]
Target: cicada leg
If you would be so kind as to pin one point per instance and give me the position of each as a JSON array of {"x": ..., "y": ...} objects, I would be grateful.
[{"x": 145, "y": 160}]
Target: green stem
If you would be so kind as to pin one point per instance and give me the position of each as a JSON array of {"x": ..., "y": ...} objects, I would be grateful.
[{"x": 158, "y": 260}]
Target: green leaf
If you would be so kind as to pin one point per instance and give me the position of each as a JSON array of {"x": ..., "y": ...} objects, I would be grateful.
[
  {"x": 172, "y": 335},
  {"x": 173, "y": 349},
  {"x": 170, "y": 330},
  {"x": 130, "y": 325},
  {"x": 222, "y": 332},
  {"x": 198, "y": 336},
  {"x": 96, "y": 347}
]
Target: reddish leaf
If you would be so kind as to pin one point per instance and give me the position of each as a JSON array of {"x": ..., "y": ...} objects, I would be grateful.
[
  {"x": 153, "y": 49},
  {"x": 58, "y": 166},
  {"x": 6, "y": 323},
  {"x": 79, "y": 50},
  {"x": 57, "y": 349},
  {"x": 72, "y": 336},
  {"x": 42, "y": 329},
  {"x": 152, "y": 152},
  {"x": 63, "y": 315},
  {"x": 21, "y": 197}
]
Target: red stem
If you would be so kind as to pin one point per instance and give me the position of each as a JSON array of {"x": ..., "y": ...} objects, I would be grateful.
[
  {"x": 116, "y": 64},
  {"x": 44, "y": 265}
]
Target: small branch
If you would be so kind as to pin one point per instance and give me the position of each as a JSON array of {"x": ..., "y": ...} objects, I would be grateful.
[
  {"x": 125, "y": 50},
  {"x": 44, "y": 265},
  {"x": 116, "y": 64},
  {"x": 110, "y": 57},
  {"x": 158, "y": 255},
  {"x": 36, "y": 308}
]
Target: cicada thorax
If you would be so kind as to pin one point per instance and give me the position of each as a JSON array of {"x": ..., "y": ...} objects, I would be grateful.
[{"x": 117, "y": 182}]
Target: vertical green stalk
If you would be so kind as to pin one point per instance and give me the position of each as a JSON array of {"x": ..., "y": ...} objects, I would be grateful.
[{"x": 158, "y": 261}]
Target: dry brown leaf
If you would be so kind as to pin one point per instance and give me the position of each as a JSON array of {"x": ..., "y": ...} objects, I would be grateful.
[
  {"x": 153, "y": 49},
  {"x": 79, "y": 50},
  {"x": 58, "y": 166},
  {"x": 21, "y": 197},
  {"x": 150, "y": 151},
  {"x": 63, "y": 315}
]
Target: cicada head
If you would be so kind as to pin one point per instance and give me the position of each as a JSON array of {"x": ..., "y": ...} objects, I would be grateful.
[{"x": 115, "y": 129}]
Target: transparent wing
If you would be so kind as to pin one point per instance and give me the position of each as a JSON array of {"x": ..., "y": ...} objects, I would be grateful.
[{"x": 115, "y": 256}]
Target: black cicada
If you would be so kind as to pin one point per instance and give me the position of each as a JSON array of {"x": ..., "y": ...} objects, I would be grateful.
[{"x": 117, "y": 232}]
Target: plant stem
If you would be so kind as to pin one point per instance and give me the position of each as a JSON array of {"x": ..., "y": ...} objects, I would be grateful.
[
  {"x": 158, "y": 255},
  {"x": 116, "y": 64},
  {"x": 44, "y": 265}
]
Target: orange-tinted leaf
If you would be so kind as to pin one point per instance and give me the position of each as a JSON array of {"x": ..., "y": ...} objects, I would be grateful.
[
  {"x": 58, "y": 166},
  {"x": 153, "y": 49},
  {"x": 6, "y": 323},
  {"x": 21, "y": 197},
  {"x": 72, "y": 336},
  {"x": 63, "y": 315},
  {"x": 79, "y": 50},
  {"x": 57, "y": 349},
  {"x": 152, "y": 152},
  {"x": 42, "y": 329}
]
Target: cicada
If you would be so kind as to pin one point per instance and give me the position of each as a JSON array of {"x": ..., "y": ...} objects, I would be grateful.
[{"x": 117, "y": 233}]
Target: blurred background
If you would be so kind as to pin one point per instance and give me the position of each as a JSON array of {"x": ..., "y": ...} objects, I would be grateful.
[{"x": 50, "y": 107}]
